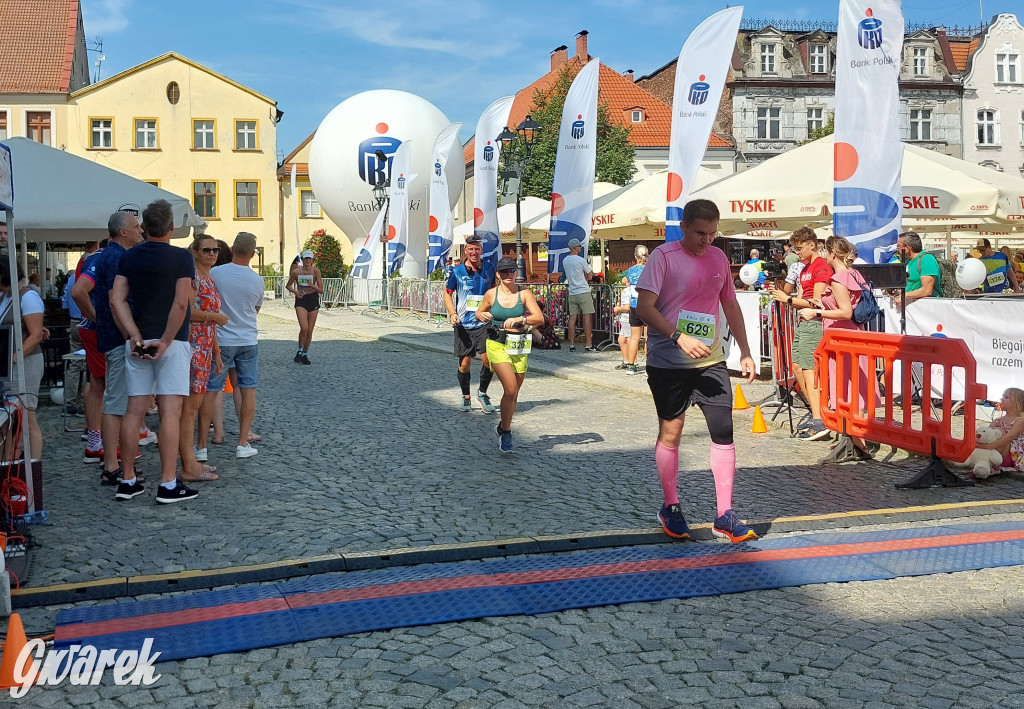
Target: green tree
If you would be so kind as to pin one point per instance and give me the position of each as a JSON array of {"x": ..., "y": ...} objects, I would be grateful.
[
  {"x": 614, "y": 152},
  {"x": 327, "y": 254},
  {"x": 828, "y": 129}
]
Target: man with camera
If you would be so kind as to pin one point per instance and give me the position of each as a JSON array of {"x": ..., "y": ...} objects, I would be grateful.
[{"x": 158, "y": 279}]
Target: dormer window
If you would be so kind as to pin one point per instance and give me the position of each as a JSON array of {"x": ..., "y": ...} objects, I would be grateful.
[
  {"x": 819, "y": 59},
  {"x": 920, "y": 66},
  {"x": 636, "y": 116},
  {"x": 768, "y": 59}
]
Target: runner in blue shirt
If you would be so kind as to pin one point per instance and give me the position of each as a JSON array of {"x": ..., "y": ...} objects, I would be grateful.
[
  {"x": 464, "y": 291},
  {"x": 631, "y": 277},
  {"x": 1000, "y": 275}
]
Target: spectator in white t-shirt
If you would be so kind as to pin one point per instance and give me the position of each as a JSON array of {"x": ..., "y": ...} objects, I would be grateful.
[
  {"x": 32, "y": 329},
  {"x": 576, "y": 270},
  {"x": 241, "y": 292}
]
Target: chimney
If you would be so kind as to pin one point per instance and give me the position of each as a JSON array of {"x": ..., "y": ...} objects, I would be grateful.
[
  {"x": 629, "y": 74},
  {"x": 581, "y": 47},
  {"x": 559, "y": 57}
]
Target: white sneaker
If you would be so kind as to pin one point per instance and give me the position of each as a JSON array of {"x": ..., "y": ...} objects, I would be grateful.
[
  {"x": 246, "y": 451},
  {"x": 146, "y": 437},
  {"x": 200, "y": 454}
]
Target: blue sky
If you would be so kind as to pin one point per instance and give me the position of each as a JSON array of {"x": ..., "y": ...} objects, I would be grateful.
[{"x": 309, "y": 55}]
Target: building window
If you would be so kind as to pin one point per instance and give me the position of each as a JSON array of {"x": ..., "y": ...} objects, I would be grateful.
[
  {"x": 768, "y": 121},
  {"x": 1007, "y": 68},
  {"x": 203, "y": 132},
  {"x": 3, "y": 125},
  {"x": 310, "y": 207},
  {"x": 921, "y": 124},
  {"x": 920, "y": 61},
  {"x": 145, "y": 134},
  {"x": 101, "y": 133},
  {"x": 173, "y": 92},
  {"x": 637, "y": 116},
  {"x": 819, "y": 59},
  {"x": 204, "y": 199},
  {"x": 247, "y": 200},
  {"x": 1022, "y": 126},
  {"x": 38, "y": 126},
  {"x": 245, "y": 135},
  {"x": 815, "y": 119},
  {"x": 767, "y": 58},
  {"x": 988, "y": 127}
]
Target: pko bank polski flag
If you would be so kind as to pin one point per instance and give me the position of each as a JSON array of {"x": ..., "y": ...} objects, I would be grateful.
[
  {"x": 439, "y": 226},
  {"x": 364, "y": 259},
  {"x": 398, "y": 208},
  {"x": 868, "y": 153},
  {"x": 486, "y": 154},
  {"x": 701, "y": 72},
  {"x": 572, "y": 193}
]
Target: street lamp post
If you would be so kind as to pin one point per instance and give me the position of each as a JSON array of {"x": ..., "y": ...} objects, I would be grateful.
[
  {"x": 381, "y": 201},
  {"x": 517, "y": 149}
]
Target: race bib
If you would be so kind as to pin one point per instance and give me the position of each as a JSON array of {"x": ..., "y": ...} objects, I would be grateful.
[
  {"x": 305, "y": 280},
  {"x": 473, "y": 302},
  {"x": 996, "y": 279},
  {"x": 697, "y": 325},
  {"x": 518, "y": 344}
]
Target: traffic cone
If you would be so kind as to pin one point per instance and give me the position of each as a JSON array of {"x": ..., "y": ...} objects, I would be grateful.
[
  {"x": 759, "y": 425},
  {"x": 739, "y": 402},
  {"x": 13, "y": 645}
]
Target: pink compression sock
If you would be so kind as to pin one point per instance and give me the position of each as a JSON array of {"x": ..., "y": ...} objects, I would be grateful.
[
  {"x": 723, "y": 467},
  {"x": 667, "y": 460}
]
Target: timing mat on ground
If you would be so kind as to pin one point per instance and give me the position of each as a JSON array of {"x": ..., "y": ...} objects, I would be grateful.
[{"x": 233, "y": 620}]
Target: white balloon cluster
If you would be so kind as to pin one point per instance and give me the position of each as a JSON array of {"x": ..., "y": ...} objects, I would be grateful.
[
  {"x": 749, "y": 274},
  {"x": 971, "y": 273}
]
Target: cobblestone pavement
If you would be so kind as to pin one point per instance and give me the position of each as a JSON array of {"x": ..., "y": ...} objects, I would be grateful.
[{"x": 365, "y": 450}]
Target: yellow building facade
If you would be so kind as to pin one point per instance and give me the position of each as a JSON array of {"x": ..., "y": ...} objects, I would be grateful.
[
  {"x": 304, "y": 203},
  {"x": 193, "y": 132}
]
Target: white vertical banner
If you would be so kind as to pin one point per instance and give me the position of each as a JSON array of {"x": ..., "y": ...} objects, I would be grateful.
[
  {"x": 701, "y": 73},
  {"x": 364, "y": 259},
  {"x": 439, "y": 225},
  {"x": 297, "y": 203},
  {"x": 486, "y": 151},
  {"x": 398, "y": 207},
  {"x": 868, "y": 153},
  {"x": 572, "y": 193}
]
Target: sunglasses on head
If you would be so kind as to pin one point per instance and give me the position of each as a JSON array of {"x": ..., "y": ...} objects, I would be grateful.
[{"x": 210, "y": 249}]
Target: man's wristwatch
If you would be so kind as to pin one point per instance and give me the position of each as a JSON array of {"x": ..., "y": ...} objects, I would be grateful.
[{"x": 675, "y": 336}]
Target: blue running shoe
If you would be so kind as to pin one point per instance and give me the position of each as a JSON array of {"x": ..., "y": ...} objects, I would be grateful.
[
  {"x": 467, "y": 404},
  {"x": 485, "y": 402},
  {"x": 505, "y": 444},
  {"x": 673, "y": 522},
  {"x": 728, "y": 526}
]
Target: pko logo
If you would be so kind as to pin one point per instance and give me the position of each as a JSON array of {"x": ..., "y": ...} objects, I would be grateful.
[
  {"x": 869, "y": 31},
  {"x": 699, "y": 91},
  {"x": 577, "y": 127},
  {"x": 371, "y": 170},
  {"x": 488, "y": 152},
  {"x": 401, "y": 182},
  {"x": 437, "y": 169}
]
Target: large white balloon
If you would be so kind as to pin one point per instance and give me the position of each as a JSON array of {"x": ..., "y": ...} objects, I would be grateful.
[
  {"x": 970, "y": 273},
  {"x": 749, "y": 274},
  {"x": 343, "y": 167}
]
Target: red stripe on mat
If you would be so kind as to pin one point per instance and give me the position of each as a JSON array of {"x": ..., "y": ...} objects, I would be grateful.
[{"x": 408, "y": 588}]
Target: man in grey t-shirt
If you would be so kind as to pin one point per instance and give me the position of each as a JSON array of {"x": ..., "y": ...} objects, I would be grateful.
[{"x": 576, "y": 270}]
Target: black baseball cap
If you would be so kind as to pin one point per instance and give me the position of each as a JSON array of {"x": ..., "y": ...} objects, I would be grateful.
[{"x": 505, "y": 263}]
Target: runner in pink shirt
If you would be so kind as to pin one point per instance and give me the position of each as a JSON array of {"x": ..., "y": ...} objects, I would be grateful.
[{"x": 683, "y": 294}]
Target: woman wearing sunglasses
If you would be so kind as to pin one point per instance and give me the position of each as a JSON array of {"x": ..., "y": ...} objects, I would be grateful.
[
  {"x": 305, "y": 283},
  {"x": 205, "y": 317},
  {"x": 511, "y": 312}
]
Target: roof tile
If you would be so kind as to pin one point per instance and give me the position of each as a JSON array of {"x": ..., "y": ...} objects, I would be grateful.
[
  {"x": 962, "y": 51},
  {"x": 37, "y": 45}
]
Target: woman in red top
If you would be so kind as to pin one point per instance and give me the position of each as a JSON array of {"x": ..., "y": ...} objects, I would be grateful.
[{"x": 836, "y": 311}]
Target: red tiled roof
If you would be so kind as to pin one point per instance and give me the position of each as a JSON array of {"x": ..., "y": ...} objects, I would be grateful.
[
  {"x": 301, "y": 168},
  {"x": 37, "y": 45},
  {"x": 619, "y": 93},
  {"x": 962, "y": 51}
]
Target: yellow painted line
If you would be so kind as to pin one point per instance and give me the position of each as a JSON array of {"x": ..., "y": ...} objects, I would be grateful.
[
  {"x": 899, "y": 510},
  {"x": 69, "y": 586},
  {"x": 233, "y": 569}
]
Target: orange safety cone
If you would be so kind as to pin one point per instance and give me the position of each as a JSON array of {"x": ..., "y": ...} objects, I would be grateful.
[
  {"x": 759, "y": 425},
  {"x": 13, "y": 645},
  {"x": 739, "y": 402}
]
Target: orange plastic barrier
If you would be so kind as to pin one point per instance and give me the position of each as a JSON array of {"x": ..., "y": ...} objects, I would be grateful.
[{"x": 842, "y": 351}]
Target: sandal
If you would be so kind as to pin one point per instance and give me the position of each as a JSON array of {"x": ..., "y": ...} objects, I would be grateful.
[
  {"x": 254, "y": 437},
  {"x": 215, "y": 440},
  {"x": 204, "y": 477}
]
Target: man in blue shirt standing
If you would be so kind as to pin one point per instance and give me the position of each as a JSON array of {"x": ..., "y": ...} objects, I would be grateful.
[
  {"x": 1000, "y": 275},
  {"x": 463, "y": 294}
]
